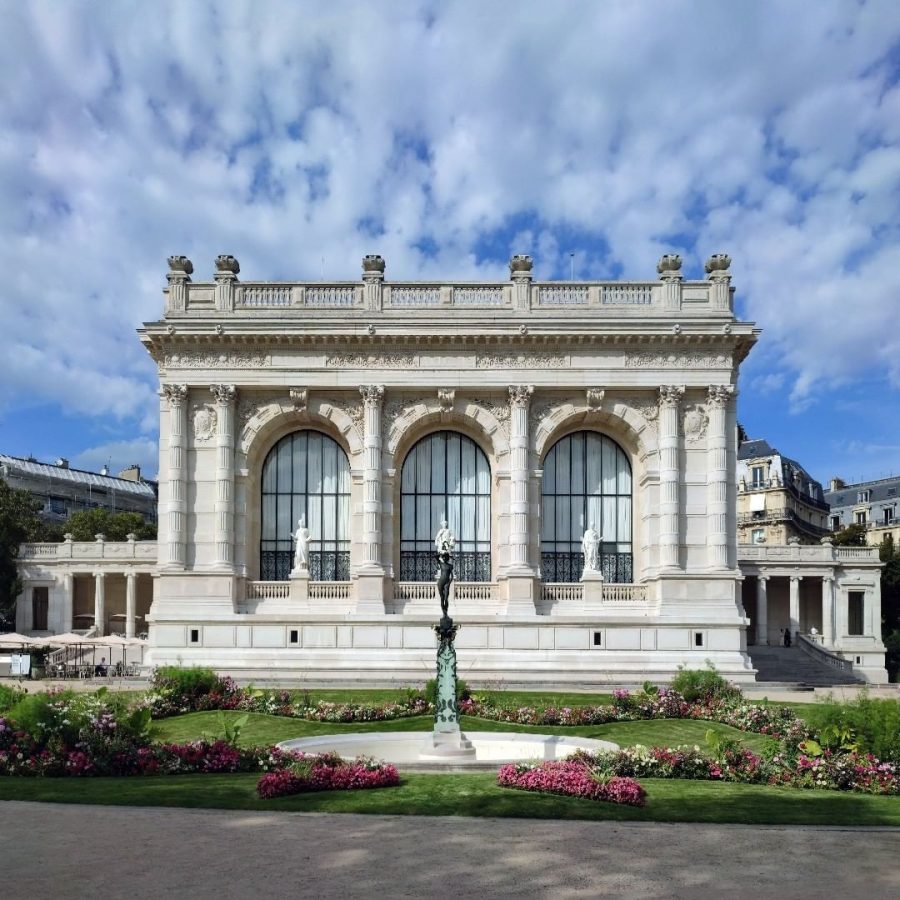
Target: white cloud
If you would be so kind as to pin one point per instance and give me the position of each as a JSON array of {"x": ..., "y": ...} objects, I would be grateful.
[
  {"x": 284, "y": 133},
  {"x": 119, "y": 455}
]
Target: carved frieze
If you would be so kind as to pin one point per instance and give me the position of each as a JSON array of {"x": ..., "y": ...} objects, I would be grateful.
[
  {"x": 678, "y": 360},
  {"x": 200, "y": 359},
  {"x": 515, "y": 360},
  {"x": 371, "y": 360}
]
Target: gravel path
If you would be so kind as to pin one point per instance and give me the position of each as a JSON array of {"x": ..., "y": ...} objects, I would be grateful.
[{"x": 59, "y": 851}]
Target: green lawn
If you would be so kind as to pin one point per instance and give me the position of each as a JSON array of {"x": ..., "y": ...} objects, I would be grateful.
[
  {"x": 476, "y": 795},
  {"x": 263, "y": 730}
]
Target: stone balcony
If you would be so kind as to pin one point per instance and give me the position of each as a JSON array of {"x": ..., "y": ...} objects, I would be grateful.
[
  {"x": 812, "y": 553},
  {"x": 89, "y": 551}
]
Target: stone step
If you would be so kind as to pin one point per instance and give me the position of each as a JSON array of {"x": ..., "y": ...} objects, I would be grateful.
[{"x": 791, "y": 665}]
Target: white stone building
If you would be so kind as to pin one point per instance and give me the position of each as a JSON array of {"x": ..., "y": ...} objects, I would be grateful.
[{"x": 521, "y": 412}]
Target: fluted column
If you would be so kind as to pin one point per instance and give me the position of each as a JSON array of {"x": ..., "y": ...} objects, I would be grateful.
[
  {"x": 373, "y": 395},
  {"x": 224, "y": 504},
  {"x": 519, "y": 400},
  {"x": 176, "y": 395},
  {"x": 100, "y": 602},
  {"x": 669, "y": 402},
  {"x": 762, "y": 610},
  {"x": 828, "y": 610},
  {"x": 717, "y": 477},
  {"x": 794, "y": 610},
  {"x": 130, "y": 596}
]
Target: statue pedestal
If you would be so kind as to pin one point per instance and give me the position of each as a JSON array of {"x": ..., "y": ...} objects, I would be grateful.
[
  {"x": 446, "y": 740},
  {"x": 299, "y": 590},
  {"x": 592, "y": 588}
]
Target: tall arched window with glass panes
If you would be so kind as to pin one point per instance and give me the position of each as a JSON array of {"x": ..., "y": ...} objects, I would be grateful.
[
  {"x": 586, "y": 481},
  {"x": 445, "y": 476},
  {"x": 306, "y": 475}
]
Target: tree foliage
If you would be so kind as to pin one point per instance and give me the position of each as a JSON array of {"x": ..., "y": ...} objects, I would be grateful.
[
  {"x": 852, "y": 536},
  {"x": 19, "y": 523},
  {"x": 890, "y": 603},
  {"x": 85, "y": 524}
]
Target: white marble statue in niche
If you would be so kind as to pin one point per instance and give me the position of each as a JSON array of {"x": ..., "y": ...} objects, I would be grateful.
[
  {"x": 590, "y": 545},
  {"x": 301, "y": 546},
  {"x": 444, "y": 536}
]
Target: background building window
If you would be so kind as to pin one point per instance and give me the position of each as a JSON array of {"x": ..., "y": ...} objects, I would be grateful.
[
  {"x": 860, "y": 518},
  {"x": 306, "y": 474},
  {"x": 835, "y": 523},
  {"x": 888, "y": 515},
  {"x": 445, "y": 475},
  {"x": 759, "y": 535},
  {"x": 759, "y": 476},
  {"x": 587, "y": 479}
]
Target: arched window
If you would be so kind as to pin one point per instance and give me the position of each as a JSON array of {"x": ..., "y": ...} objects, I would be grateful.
[
  {"x": 587, "y": 480},
  {"x": 306, "y": 474},
  {"x": 445, "y": 475}
]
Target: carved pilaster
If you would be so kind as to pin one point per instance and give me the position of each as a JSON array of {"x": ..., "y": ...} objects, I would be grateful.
[
  {"x": 373, "y": 281},
  {"x": 669, "y": 400},
  {"x": 176, "y": 396},
  {"x": 225, "y": 395},
  {"x": 669, "y": 269},
  {"x": 227, "y": 268},
  {"x": 717, "y": 271},
  {"x": 717, "y": 475},
  {"x": 520, "y": 273},
  {"x": 519, "y": 400},
  {"x": 373, "y": 396},
  {"x": 178, "y": 277}
]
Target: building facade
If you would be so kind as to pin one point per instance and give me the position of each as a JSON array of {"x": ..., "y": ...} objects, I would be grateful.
[
  {"x": 63, "y": 490},
  {"x": 872, "y": 504},
  {"x": 778, "y": 500},
  {"x": 522, "y": 414}
]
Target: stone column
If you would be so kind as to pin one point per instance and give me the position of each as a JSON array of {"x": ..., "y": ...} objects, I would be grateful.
[
  {"x": 176, "y": 395},
  {"x": 68, "y": 600},
  {"x": 130, "y": 597},
  {"x": 227, "y": 269},
  {"x": 762, "y": 610},
  {"x": 370, "y": 583},
  {"x": 519, "y": 400},
  {"x": 520, "y": 575},
  {"x": 224, "y": 504},
  {"x": 719, "y": 280},
  {"x": 828, "y": 611},
  {"x": 100, "y": 603},
  {"x": 794, "y": 612},
  {"x": 669, "y": 268},
  {"x": 669, "y": 402},
  {"x": 373, "y": 281},
  {"x": 520, "y": 267},
  {"x": 717, "y": 476}
]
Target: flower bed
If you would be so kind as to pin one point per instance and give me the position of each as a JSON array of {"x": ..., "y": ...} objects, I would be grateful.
[
  {"x": 326, "y": 772},
  {"x": 571, "y": 778}
]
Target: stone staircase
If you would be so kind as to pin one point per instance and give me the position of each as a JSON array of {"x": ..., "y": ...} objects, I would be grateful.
[{"x": 791, "y": 666}]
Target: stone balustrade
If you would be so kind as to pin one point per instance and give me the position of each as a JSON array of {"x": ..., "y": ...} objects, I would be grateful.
[
  {"x": 671, "y": 294},
  {"x": 809, "y": 553},
  {"x": 90, "y": 551}
]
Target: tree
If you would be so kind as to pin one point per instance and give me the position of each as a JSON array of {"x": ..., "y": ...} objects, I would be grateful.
[
  {"x": 19, "y": 522},
  {"x": 85, "y": 524},
  {"x": 851, "y": 536}
]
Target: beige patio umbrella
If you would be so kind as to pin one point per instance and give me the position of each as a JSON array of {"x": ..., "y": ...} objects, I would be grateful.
[{"x": 14, "y": 639}]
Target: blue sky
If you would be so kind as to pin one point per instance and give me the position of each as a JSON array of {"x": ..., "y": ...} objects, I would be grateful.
[{"x": 447, "y": 136}]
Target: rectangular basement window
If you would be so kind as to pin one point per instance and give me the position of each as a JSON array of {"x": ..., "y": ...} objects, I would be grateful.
[
  {"x": 195, "y": 635},
  {"x": 598, "y": 638},
  {"x": 295, "y": 636},
  {"x": 698, "y": 638}
]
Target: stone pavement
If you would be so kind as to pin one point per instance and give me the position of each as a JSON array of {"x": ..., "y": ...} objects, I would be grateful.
[{"x": 103, "y": 853}]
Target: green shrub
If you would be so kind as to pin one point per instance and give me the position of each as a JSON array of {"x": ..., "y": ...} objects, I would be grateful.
[
  {"x": 194, "y": 681},
  {"x": 10, "y": 695},
  {"x": 462, "y": 691},
  {"x": 874, "y": 724},
  {"x": 701, "y": 684}
]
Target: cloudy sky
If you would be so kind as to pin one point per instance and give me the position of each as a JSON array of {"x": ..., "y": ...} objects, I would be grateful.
[{"x": 446, "y": 136}]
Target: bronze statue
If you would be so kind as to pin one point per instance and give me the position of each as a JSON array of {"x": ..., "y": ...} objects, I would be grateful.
[{"x": 445, "y": 561}]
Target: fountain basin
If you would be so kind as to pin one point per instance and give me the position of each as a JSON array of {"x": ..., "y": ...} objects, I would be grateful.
[{"x": 404, "y": 748}]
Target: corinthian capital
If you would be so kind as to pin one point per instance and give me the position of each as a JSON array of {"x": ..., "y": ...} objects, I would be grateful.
[
  {"x": 671, "y": 394},
  {"x": 720, "y": 394},
  {"x": 224, "y": 393},
  {"x": 176, "y": 394},
  {"x": 372, "y": 394},
  {"x": 520, "y": 394}
]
